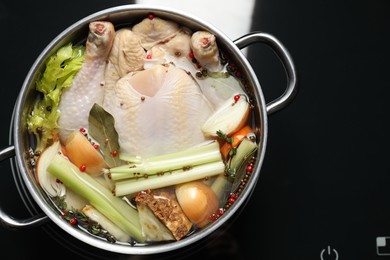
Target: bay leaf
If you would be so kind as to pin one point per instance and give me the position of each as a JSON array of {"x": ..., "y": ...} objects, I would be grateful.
[{"x": 102, "y": 129}]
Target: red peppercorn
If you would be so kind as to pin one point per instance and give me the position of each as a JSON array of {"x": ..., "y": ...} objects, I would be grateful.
[
  {"x": 236, "y": 98},
  {"x": 220, "y": 211},
  {"x": 191, "y": 55},
  {"x": 73, "y": 221},
  {"x": 114, "y": 153},
  {"x": 233, "y": 195},
  {"x": 149, "y": 56},
  {"x": 83, "y": 130},
  {"x": 231, "y": 200},
  {"x": 249, "y": 169},
  {"x": 96, "y": 146},
  {"x": 151, "y": 16},
  {"x": 83, "y": 168}
]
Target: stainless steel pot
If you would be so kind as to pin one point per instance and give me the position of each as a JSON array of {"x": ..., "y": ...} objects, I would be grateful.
[{"x": 123, "y": 16}]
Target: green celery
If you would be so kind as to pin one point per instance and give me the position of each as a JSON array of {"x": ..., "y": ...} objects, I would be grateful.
[
  {"x": 101, "y": 198},
  {"x": 246, "y": 148},
  {"x": 168, "y": 162},
  {"x": 224, "y": 182},
  {"x": 221, "y": 187},
  {"x": 59, "y": 72},
  {"x": 176, "y": 177}
]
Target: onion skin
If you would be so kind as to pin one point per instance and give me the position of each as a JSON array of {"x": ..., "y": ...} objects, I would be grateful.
[
  {"x": 81, "y": 152},
  {"x": 47, "y": 181},
  {"x": 198, "y": 201}
]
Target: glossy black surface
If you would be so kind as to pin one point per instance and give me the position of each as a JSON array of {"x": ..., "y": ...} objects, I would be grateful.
[{"x": 325, "y": 178}]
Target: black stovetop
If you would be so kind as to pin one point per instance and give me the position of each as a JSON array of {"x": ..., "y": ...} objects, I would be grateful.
[{"x": 323, "y": 191}]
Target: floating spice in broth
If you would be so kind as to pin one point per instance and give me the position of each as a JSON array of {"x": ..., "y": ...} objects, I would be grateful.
[{"x": 161, "y": 104}]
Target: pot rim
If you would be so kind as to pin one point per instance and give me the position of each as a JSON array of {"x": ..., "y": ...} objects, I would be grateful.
[{"x": 18, "y": 130}]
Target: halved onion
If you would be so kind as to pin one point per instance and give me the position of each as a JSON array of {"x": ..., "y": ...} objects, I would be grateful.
[
  {"x": 229, "y": 118},
  {"x": 47, "y": 181},
  {"x": 198, "y": 201},
  {"x": 82, "y": 153}
]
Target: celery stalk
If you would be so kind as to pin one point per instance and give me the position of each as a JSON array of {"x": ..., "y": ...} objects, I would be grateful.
[
  {"x": 223, "y": 183},
  {"x": 221, "y": 187},
  {"x": 168, "y": 162},
  {"x": 60, "y": 70},
  {"x": 112, "y": 207},
  {"x": 246, "y": 148},
  {"x": 179, "y": 176}
]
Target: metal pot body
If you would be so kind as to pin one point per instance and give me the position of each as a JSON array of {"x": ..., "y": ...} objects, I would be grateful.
[{"x": 122, "y": 16}]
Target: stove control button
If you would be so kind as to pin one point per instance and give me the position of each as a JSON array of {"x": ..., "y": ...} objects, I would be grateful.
[
  {"x": 329, "y": 254},
  {"x": 383, "y": 246}
]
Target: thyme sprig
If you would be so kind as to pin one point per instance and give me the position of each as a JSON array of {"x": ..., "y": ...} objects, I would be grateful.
[
  {"x": 233, "y": 150},
  {"x": 229, "y": 140},
  {"x": 224, "y": 137},
  {"x": 75, "y": 216}
]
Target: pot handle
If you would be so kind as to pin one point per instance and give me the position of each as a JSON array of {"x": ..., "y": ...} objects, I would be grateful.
[
  {"x": 286, "y": 60},
  {"x": 8, "y": 221}
]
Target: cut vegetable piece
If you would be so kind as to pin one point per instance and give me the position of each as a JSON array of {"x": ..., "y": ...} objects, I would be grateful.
[
  {"x": 113, "y": 229},
  {"x": 132, "y": 186},
  {"x": 246, "y": 131},
  {"x": 246, "y": 148},
  {"x": 229, "y": 118},
  {"x": 74, "y": 200},
  {"x": 189, "y": 158},
  {"x": 48, "y": 182},
  {"x": 163, "y": 205},
  {"x": 237, "y": 164},
  {"x": 198, "y": 201},
  {"x": 222, "y": 186},
  {"x": 114, "y": 208},
  {"x": 152, "y": 228},
  {"x": 81, "y": 152},
  {"x": 60, "y": 69}
]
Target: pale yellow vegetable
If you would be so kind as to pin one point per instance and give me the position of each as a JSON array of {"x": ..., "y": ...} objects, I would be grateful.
[
  {"x": 229, "y": 118},
  {"x": 198, "y": 201},
  {"x": 82, "y": 153},
  {"x": 47, "y": 181},
  {"x": 107, "y": 224}
]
